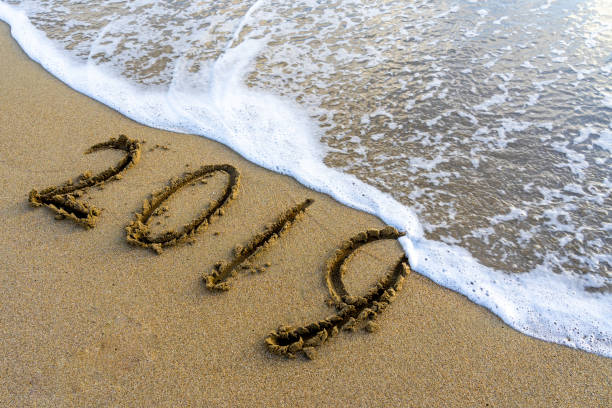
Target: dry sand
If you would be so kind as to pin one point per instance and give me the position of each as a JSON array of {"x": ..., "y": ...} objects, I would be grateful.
[{"x": 88, "y": 320}]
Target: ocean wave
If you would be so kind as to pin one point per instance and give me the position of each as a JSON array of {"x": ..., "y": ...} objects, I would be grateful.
[{"x": 482, "y": 130}]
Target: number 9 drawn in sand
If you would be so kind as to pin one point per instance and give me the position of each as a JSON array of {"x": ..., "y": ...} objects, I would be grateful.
[
  {"x": 138, "y": 232},
  {"x": 63, "y": 199},
  {"x": 353, "y": 311}
]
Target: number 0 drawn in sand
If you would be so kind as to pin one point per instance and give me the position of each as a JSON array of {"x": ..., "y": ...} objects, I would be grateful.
[
  {"x": 63, "y": 199},
  {"x": 138, "y": 232},
  {"x": 353, "y": 311}
]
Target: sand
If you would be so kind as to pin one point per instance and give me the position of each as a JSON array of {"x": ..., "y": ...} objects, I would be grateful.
[{"x": 86, "y": 319}]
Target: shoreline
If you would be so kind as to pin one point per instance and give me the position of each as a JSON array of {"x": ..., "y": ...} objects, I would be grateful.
[
  {"x": 88, "y": 319},
  {"x": 562, "y": 315}
]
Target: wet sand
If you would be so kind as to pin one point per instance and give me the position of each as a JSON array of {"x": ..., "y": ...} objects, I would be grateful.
[{"x": 86, "y": 319}]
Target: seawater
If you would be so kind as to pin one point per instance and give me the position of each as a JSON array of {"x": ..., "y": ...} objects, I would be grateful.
[{"x": 482, "y": 128}]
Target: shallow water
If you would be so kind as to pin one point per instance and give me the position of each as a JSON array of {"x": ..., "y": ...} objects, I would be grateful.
[{"x": 491, "y": 121}]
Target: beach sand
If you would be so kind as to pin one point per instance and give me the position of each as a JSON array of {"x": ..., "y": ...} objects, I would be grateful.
[{"x": 88, "y": 320}]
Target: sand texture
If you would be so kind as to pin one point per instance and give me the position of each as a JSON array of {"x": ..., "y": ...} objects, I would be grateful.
[{"x": 89, "y": 319}]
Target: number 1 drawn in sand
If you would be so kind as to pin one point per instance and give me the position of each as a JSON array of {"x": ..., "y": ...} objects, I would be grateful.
[
  {"x": 217, "y": 279},
  {"x": 63, "y": 199}
]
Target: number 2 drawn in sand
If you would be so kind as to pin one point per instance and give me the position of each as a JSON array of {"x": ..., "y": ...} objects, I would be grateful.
[
  {"x": 352, "y": 310},
  {"x": 138, "y": 232},
  {"x": 63, "y": 199}
]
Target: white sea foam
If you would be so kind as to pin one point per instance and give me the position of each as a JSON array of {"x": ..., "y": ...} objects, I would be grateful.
[
  {"x": 494, "y": 100},
  {"x": 605, "y": 140},
  {"x": 276, "y": 133},
  {"x": 584, "y": 134},
  {"x": 607, "y": 100}
]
